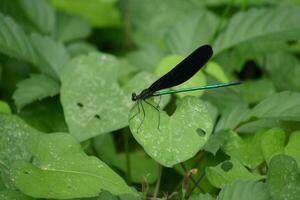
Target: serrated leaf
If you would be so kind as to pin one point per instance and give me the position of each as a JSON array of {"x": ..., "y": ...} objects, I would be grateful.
[
  {"x": 223, "y": 99},
  {"x": 268, "y": 111},
  {"x": 35, "y": 15},
  {"x": 232, "y": 117},
  {"x": 229, "y": 171},
  {"x": 172, "y": 139},
  {"x": 283, "y": 178},
  {"x": 100, "y": 13},
  {"x": 146, "y": 59},
  {"x": 43, "y": 52},
  {"x": 270, "y": 24},
  {"x": 14, "y": 42},
  {"x": 60, "y": 169},
  {"x": 168, "y": 63},
  {"x": 245, "y": 190},
  {"x": 289, "y": 108},
  {"x": 52, "y": 55},
  {"x": 36, "y": 87},
  {"x": 188, "y": 34},
  {"x": 71, "y": 27},
  {"x": 255, "y": 91},
  {"x": 284, "y": 78}
]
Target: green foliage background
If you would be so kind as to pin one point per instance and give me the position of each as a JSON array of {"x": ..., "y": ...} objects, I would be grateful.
[{"x": 67, "y": 71}]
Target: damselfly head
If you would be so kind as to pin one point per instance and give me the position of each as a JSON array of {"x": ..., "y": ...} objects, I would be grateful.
[{"x": 133, "y": 96}]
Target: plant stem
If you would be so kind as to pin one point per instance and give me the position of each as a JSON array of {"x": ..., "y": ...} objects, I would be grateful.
[
  {"x": 244, "y": 5},
  {"x": 158, "y": 182},
  {"x": 191, "y": 178},
  {"x": 127, "y": 152},
  {"x": 197, "y": 182}
]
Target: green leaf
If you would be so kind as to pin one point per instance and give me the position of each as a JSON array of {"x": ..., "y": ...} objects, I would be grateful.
[
  {"x": 245, "y": 190},
  {"x": 283, "y": 178},
  {"x": 216, "y": 71},
  {"x": 14, "y": 133},
  {"x": 202, "y": 197},
  {"x": 52, "y": 55},
  {"x": 36, "y": 87},
  {"x": 4, "y": 107},
  {"x": 162, "y": 15},
  {"x": 142, "y": 167},
  {"x": 255, "y": 91},
  {"x": 93, "y": 104},
  {"x": 246, "y": 150},
  {"x": 46, "y": 115},
  {"x": 35, "y": 15},
  {"x": 223, "y": 99},
  {"x": 71, "y": 27},
  {"x": 284, "y": 78},
  {"x": 267, "y": 111},
  {"x": 79, "y": 48},
  {"x": 229, "y": 171},
  {"x": 178, "y": 137},
  {"x": 14, "y": 42},
  {"x": 293, "y": 147},
  {"x": 270, "y": 24},
  {"x": 168, "y": 63},
  {"x": 272, "y": 143},
  {"x": 43, "y": 52},
  {"x": 146, "y": 59},
  {"x": 100, "y": 13},
  {"x": 232, "y": 117},
  {"x": 13, "y": 195},
  {"x": 187, "y": 34},
  {"x": 289, "y": 108},
  {"x": 60, "y": 169}
]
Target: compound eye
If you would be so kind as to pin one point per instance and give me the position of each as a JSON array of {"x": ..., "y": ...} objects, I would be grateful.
[{"x": 133, "y": 97}]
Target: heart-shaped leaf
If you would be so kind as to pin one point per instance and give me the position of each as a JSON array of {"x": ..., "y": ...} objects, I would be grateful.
[
  {"x": 172, "y": 139},
  {"x": 283, "y": 178},
  {"x": 92, "y": 99}
]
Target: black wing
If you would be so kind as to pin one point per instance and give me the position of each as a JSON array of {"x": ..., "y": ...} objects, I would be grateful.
[{"x": 184, "y": 70}]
